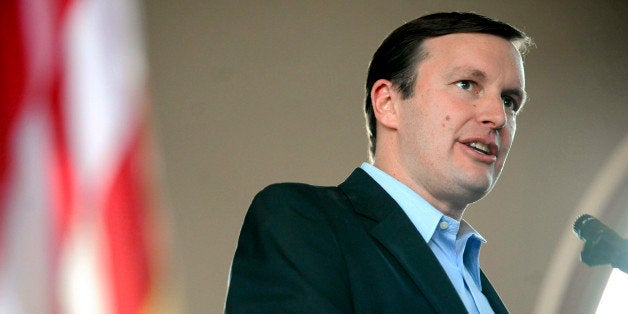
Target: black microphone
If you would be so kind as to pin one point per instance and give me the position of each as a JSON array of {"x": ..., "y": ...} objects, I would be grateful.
[{"x": 602, "y": 245}]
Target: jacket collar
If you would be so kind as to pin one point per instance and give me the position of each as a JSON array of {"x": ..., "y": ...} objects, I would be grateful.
[{"x": 394, "y": 230}]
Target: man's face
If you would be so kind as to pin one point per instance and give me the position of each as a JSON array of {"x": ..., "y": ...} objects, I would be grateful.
[{"x": 455, "y": 132}]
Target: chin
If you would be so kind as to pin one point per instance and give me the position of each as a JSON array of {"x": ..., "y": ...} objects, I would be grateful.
[
  {"x": 474, "y": 191},
  {"x": 474, "y": 197}
]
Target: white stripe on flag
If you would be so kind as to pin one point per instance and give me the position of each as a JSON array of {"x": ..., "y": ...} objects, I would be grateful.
[{"x": 25, "y": 274}]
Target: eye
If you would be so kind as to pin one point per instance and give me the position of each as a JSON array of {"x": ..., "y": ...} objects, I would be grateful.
[
  {"x": 466, "y": 85},
  {"x": 509, "y": 102}
]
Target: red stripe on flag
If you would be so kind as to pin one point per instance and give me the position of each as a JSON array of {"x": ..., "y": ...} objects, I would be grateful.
[
  {"x": 62, "y": 184},
  {"x": 126, "y": 218},
  {"x": 62, "y": 175},
  {"x": 12, "y": 87}
]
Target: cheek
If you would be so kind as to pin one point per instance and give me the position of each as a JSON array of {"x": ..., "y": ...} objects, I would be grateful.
[
  {"x": 511, "y": 128},
  {"x": 507, "y": 136},
  {"x": 451, "y": 120},
  {"x": 444, "y": 123}
]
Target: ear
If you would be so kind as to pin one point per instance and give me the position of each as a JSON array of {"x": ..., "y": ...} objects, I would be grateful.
[{"x": 383, "y": 98}]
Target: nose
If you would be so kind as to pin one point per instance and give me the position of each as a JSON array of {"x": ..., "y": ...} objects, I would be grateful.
[{"x": 491, "y": 112}]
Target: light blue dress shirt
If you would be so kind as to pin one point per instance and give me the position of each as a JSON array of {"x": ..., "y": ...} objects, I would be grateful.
[{"x": 455, "y": 244}]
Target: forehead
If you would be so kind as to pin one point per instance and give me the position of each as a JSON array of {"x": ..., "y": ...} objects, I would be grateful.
[{"x": 478, "y": 54}]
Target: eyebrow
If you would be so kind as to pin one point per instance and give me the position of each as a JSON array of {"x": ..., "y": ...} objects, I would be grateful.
[{"x": 471, "y": 72}]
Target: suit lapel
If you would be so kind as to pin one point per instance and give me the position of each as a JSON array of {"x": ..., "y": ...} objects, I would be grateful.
[
  {"x": 394, "y": 230},
  {"x": 491, "y": 295},
  {"x": 400, "y": 237}
]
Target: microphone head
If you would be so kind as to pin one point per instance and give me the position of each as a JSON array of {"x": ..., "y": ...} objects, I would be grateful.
[
  {"x": 591, "y": 229},
  {"x": 579, "y": 225},
  {"x": 602, "y": 245}
]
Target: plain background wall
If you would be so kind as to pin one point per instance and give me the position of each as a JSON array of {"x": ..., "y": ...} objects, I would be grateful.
[{"x": 247, "y": 93}]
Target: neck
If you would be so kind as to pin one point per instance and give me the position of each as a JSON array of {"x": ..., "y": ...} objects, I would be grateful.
[{"x": 444, "y": 204}]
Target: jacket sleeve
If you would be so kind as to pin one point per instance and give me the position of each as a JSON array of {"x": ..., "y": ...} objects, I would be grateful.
[{"x": 287, "y": 259}]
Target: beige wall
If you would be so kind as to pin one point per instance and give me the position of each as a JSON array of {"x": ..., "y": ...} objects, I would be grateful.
[{"x": 246, "y": 94}]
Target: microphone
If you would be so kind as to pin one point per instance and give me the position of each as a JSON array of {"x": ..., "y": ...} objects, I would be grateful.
[{"x": 602, "y": 245}]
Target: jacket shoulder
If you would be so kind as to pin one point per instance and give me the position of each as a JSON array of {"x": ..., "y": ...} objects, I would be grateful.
[
  {"x": 303, "y": 199},
  {"x": 288, "y": 258}
]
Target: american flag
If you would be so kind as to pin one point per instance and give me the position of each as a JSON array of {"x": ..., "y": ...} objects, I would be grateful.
[{"x": 76, "y": 208}]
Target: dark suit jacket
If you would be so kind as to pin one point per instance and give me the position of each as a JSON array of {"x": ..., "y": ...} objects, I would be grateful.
[{"x": 345, "y": 249}]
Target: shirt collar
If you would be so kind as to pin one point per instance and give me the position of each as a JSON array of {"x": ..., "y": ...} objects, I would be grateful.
[{"x": 422, "y": 214}]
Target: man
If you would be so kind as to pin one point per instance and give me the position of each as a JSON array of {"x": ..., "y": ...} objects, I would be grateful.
[{"x": 443, "y": 92}]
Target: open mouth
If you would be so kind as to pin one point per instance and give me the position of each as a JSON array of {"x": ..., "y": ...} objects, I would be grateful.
[{"x": 480, "y": 147}]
